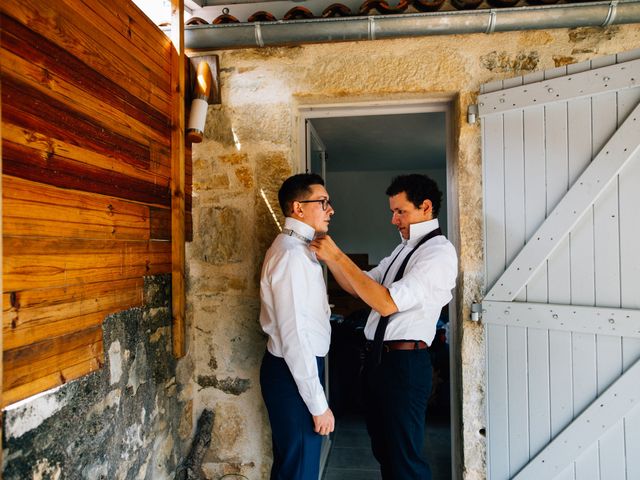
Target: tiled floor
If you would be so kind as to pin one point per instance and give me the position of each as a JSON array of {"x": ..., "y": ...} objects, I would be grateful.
[{"x": 351, "y": 457}]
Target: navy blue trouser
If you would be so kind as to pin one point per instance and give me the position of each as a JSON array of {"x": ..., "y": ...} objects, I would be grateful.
[
  {"x": 296, "y": 447},
  {"x": 395, "y": 396}
]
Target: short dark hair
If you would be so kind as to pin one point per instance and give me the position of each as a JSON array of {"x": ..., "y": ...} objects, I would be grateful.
[
  {"x": 296, "y": 187},
  {"x": 418, "y": 189}
]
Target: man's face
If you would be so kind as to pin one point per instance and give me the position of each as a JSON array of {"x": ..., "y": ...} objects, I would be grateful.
[
  {"x": 405, "y": 213},
  {"x": 310, "y": 210}
]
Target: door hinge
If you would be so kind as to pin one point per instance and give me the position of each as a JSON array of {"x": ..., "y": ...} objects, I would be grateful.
[
  {"x": 472, "y": 113},
  {"x": 476, "y": 312}
]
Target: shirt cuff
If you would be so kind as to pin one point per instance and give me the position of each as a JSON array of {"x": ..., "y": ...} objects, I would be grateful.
[
  {"x": 318, "y": 405},
  {"x": 402, "y": 296}
]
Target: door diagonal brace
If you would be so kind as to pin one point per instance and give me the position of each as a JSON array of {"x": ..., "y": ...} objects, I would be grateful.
[
  {"x": 623, "y": 145},
  {"x": 605, "y": 411}
]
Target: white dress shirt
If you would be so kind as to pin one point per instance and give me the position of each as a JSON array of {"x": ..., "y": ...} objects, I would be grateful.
[
  {"x": 423, "y": 290},
  {"x": 295, "y": 310}
]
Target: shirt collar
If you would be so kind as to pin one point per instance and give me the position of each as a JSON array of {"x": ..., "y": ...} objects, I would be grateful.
[
  {"x": 300, "y": 228},
  {"x": 419, "y": 230}
]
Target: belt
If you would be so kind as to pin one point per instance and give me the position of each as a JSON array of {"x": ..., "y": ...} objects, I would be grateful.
[{"x": 390, "y": 345}]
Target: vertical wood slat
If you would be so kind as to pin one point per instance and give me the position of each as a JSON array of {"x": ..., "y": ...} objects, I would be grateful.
[
  {"x": 558, "y": 277},
  {"x": 561, "y": 387},
  {"x": 539, "y": 390},
  {"x": 495, "y": 336},
  {"x": 177, "y": 177},
  {"x": 494, "y": 199},
  {"x": 607, "y": 278},
  {"x": 583, "y": 351},
  {"x": 518, "y": 408},
  {"x": 606, "y": 239},
  {"x": 539, "y": 411},
  {"x": 514, "y": 217},
  {"x": 535, "y": 178},
  {"x": 629, "y": 214},
  {"x": 557, "y": 184},
  {"x": 497, "y": 402}
]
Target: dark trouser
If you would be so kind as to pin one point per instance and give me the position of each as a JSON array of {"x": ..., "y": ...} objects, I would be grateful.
[
  {"x": 395, "y": 395},
  {"x": 296, "y": 447}
]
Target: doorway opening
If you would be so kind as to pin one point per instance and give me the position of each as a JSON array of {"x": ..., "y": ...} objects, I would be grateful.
[{"x": 358, "y": 149}]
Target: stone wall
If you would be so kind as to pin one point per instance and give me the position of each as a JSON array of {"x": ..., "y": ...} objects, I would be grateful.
[
  {"x": 129, "y": 420},
  {"x": 250, "y": 147}
]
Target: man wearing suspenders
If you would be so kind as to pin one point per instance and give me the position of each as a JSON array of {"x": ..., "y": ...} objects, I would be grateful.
[{"x": 406, "y": 293}]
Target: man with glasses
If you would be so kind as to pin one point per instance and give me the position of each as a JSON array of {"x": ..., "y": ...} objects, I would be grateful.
[
  {"x": 406, "y": 292},
  {"x": 295, "y": 316}
]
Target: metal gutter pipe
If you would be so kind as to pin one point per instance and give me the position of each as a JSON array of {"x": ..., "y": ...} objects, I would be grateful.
[{"x": 344, "y": 29}]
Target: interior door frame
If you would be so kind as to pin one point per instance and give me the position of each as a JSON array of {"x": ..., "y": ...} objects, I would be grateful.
[
  {"x": 448, "y": 105},
  {"x": 311, "y": 136}
]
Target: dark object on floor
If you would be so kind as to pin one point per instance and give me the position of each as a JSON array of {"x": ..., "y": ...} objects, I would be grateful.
[
  {"x": 440, "y": 396},
  {"x": 346, "y": 361},
  {"x": 191, "y": 468}
]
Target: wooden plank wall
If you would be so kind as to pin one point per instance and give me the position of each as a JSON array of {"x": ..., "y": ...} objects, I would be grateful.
[{"x": 86, "y": 144}]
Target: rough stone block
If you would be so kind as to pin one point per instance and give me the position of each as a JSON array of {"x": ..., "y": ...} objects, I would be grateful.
[{"x": 220, "y": 234}]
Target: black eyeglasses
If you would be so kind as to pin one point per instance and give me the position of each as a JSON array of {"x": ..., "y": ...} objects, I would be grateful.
[{"x": 325, "y": 202}]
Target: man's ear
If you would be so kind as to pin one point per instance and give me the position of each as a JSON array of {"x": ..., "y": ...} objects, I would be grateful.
[
  {"x": 296, "y": 209},
  {"x": 427, "y": 207}
]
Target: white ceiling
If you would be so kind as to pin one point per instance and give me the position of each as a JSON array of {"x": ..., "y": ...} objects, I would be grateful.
[{"x": 409, "y": 142}]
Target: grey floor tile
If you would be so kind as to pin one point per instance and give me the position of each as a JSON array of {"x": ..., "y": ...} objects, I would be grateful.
[
  {"x": 351, "y": 474},
  {"x": 352, "y": 457},
  {"x": 438, "y": 449},
  {"x": 351, "y": 438}
]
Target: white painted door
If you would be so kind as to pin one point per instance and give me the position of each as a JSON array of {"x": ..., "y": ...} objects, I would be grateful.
[{"x": 561, "y": 153}]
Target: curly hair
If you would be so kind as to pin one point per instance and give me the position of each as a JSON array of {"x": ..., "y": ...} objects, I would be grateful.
[{"x": 418, "y": 189}]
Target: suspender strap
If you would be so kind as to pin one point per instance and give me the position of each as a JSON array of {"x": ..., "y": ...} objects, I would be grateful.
[{"x": 378, "y": 339}]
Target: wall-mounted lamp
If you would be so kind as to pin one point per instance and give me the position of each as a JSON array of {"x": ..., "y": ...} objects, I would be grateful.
[{"x": 205, "y": 92}]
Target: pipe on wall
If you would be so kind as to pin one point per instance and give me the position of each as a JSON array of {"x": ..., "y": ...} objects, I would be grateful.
[{"x": 343, "y": 29}]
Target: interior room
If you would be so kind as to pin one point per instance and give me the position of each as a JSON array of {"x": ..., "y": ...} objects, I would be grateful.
[{"x": 359, "y": 158}]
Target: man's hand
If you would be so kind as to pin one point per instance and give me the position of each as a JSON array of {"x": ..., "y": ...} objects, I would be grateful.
[
  {"x": 323, "y": 424},
  {"x": 325, "y": 248},
  {"x": 351, "y": 278}
]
